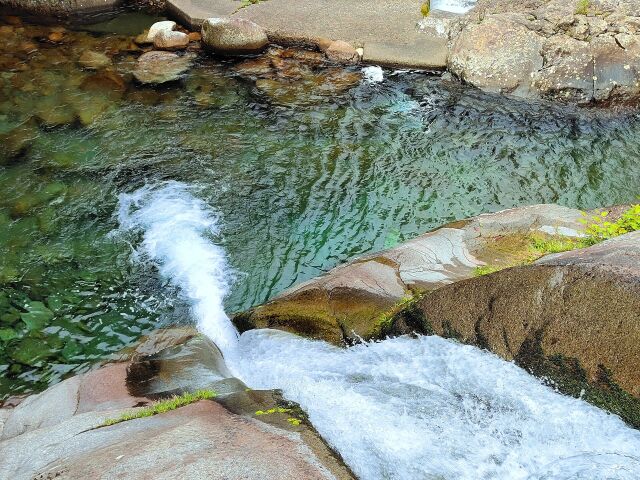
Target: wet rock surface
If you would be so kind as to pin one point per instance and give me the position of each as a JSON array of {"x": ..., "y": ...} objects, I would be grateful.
[
  {"x": 58, "y": 432},
  {"x": 169, "y": 40},
  {"x": 288, "y": 76},
  {"x": 351, "y": 301},
  {"x": 85, "y": 11},
  {"x": 555, "y": 50}
]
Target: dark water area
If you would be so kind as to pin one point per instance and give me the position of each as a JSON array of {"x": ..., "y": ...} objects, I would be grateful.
[{"x": 306, "y": 169}]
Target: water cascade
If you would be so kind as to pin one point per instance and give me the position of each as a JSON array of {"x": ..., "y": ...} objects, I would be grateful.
[{"x": 403, "y": 408}]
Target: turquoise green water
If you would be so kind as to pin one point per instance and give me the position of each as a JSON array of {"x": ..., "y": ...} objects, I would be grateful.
[{"x": 305, "y": 173}]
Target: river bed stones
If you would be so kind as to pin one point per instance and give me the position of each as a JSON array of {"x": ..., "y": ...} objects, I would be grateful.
[
  {"x": 170, "y": 40},
  {"x": 93, "y": 60},
  {"x": 161, "y": 67},
  {"x": 233, "y": 36},
  {"x": 296, "y": 77},
  {"x": 164, "y": 26}
]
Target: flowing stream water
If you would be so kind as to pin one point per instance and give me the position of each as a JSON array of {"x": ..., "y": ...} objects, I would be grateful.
[
  {"x": 403, "y": 408},
  {"x": 229, "y": 189}
]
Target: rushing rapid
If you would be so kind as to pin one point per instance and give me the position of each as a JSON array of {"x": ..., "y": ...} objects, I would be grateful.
[{"x": 403, "y": 408}]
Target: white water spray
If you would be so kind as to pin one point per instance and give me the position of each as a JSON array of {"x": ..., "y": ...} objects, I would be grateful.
[
  {"x": 176, "y": 229},
  {"x": 406, "y": 408}
]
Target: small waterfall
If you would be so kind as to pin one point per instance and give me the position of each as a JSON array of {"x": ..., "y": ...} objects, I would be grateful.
[
  {"x": 404, "y": 408},
  {"x": 177, "y": 229}
]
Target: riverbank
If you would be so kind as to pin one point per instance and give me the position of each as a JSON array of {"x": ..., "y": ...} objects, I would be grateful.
[{"x": 557, "y": 51}]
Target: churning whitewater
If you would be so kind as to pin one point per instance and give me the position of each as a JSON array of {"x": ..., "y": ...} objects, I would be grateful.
[{"x": 404, "y": 408}]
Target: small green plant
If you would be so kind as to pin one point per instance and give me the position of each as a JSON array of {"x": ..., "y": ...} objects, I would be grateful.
[
  {"x": 597, "y": 229},
  {"x": 161, "y": 406},
  {"x": 486, "y": 270},
  {"x": 544, "y": 246},
  {"x": 246, "y": 3},
  {"x": 425, "y": 9},
  {"x": 583, "y": 7},
  {"x": 292, "y": 420},
  {"x": 600, "y": 229},
  {"x": 273, "y": 410}
]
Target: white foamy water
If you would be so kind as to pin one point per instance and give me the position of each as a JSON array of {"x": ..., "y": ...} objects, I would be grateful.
[
  {"x": 177, "y": 229},
  {"x": 373, "y": 74},
  {"x": 405, "y": 408},
  {"x": 453, "y": 6}
]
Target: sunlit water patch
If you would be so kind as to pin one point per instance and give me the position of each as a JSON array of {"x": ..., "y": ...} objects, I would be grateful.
[{"x": 404, "y": 408}]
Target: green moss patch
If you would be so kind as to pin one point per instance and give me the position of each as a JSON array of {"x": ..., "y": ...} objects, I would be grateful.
[
  {"x": 162, "y": 406},
  {"x": 532, "y": 247},
  {"x": 405, "y": 317}
]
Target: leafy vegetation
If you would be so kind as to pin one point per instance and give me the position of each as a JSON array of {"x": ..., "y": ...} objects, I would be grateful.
[
  {"x": 425, "y": 9},
  {"x": 583, "y": 7},
  {"x": 246, "y": 3},
  {"x": 600, "y": 229},
  {"x": 486, "y": 270},
  {"x": 162, "y": 406},
  {"x": 597, "y": 230},
  {"x": 292, "y": 420}
]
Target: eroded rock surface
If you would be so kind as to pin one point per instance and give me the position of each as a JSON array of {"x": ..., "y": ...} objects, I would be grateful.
[
  {"x": 59, "y": 434},
  {"x": 555, "y": 50},
  {"x": 351, "y": 300}
]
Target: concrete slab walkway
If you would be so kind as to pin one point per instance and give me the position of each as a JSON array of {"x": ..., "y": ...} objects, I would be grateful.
[{"x": 385, "y": 29}]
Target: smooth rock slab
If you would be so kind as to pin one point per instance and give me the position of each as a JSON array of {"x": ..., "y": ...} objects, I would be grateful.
[
  {"x": 351, "y": 300},
  {"x": 201, "y": 440},
  {"x": 233, "y": 36},
  {"x": 161, "y": 67},
  {"x": 58, "y": 433}
]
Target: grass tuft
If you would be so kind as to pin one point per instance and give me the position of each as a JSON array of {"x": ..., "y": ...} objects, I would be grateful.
[
  {"x": 162, "y": 406},
  {"x": 582, "y": 8}
]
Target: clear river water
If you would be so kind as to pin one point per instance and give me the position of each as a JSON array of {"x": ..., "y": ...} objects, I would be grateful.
[{"x": 265, "y": 184}]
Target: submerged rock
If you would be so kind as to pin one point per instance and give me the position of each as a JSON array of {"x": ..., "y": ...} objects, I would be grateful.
[
  {"x": 16, "y": 142},
  {"x": 298, "y": 85},
  {"x": 93, "y": 60},
  {"x": 233, "y": 36},
  {"x": 161, "y": 67}
]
